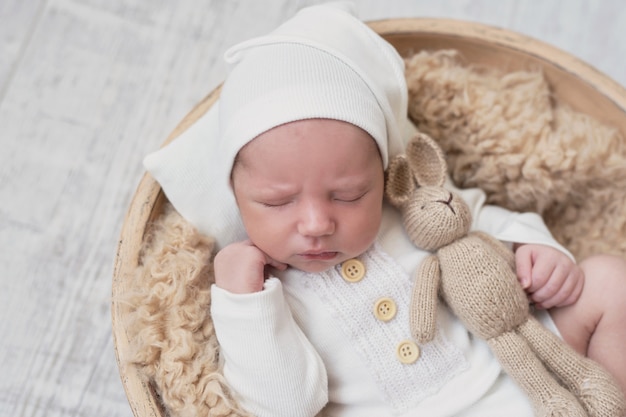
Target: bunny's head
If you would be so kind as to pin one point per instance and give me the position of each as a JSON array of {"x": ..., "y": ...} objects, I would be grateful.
[{"x": 433, "y": 216}]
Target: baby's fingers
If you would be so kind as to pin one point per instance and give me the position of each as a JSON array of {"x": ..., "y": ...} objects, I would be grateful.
[
  {"x": 560, "y": 290},
  {"x": 544, "y": 279},
  {"x": 274, "y": 263},
  {"x": 523, "y": 269}
]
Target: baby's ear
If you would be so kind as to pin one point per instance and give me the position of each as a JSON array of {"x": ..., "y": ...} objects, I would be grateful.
[
  {"x": 400, "y": 183},
  {"x": 426, "y": 160}
]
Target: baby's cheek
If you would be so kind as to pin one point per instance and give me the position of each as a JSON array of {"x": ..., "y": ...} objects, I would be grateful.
[{"x": 366, "y": 229}]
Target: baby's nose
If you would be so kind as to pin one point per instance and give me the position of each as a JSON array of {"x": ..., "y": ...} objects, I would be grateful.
[{"x": 316, "y": 220}]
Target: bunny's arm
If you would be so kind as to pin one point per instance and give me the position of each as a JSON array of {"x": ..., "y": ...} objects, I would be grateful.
[
  {"x": 423, "y": 309},
  {"x": 498, "y": 246}
]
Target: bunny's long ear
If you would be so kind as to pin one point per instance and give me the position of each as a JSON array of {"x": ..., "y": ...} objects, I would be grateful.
[
  {"x": 399, "y": 184},
  {"x": 426, "y": 160}
]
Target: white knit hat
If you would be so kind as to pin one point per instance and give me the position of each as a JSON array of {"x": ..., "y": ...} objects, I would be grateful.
[{"x": 322, "y": 63}]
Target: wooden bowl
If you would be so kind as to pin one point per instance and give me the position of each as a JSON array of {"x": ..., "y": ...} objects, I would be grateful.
[{"x": 574, "y": 83}]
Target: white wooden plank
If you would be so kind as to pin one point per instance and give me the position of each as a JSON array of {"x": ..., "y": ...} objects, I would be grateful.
[{"x": 19, "y": 20}]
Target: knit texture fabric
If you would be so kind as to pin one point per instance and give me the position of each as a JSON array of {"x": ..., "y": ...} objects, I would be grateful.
[
  {"x": 582, "y": 376},
  {"x": 548, "y": 397},
  {"x": 352, "y": 305},
  {"x": 479, "y": 287},
  {"x": 454, "y": 222}
]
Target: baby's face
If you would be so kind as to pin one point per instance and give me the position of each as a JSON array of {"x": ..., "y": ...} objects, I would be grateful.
[{"x": 310, "y": 192}]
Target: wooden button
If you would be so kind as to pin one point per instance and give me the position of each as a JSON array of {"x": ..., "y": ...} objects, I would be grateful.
[
  {"x": 353, "y": 270},
  {"x": 385, "y": 309},
  {"x": 408, "y": 352}
]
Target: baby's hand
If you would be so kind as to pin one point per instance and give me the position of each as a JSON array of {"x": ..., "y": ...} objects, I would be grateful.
[
  {"x": 550, "y": 277},
  {"x": 240, "y": 267}
]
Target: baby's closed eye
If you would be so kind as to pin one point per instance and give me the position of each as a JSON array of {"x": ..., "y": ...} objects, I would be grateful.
[
  {"x": 349, "y": 197},
  {"x": 275, "y": 203}
]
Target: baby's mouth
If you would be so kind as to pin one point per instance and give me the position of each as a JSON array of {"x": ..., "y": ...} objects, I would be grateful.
[{"x": 319, "y": 255}]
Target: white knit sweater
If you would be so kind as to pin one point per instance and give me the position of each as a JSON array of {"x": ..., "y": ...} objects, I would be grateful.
[{"x": 311, "y": 340}]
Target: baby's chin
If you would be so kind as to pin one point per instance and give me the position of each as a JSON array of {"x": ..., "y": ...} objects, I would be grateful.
[
  {"x": 313, "y": 268},
  {"x": 320, "y": 262}
]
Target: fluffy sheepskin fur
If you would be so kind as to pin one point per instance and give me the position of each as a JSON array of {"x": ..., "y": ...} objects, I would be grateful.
[
  {"x": 501, "y": 132},
  {"x": 505, "y": 134},
  {"x": 171, "y": 332}
]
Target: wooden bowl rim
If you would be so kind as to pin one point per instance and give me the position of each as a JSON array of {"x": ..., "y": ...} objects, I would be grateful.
[{"x": 493, "y": 35}]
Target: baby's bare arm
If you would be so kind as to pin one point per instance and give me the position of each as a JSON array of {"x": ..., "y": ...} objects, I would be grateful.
[
  {"x": 548, "y": 275},
  {"x": 594, "y": 325},
  {"x": 240, "y": 268}
]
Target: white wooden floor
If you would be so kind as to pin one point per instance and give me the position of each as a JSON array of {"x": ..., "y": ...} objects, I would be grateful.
[{"x": 87, "y": 88}]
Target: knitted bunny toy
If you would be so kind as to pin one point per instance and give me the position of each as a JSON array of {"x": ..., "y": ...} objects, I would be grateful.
[{"x": 475, "y": 275}]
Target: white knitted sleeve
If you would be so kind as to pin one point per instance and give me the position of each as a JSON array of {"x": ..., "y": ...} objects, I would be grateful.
[
  {"x": 268, "y": 362},
  {"x": 514, "y": 227},
  {"x": 505, "y": 225}
]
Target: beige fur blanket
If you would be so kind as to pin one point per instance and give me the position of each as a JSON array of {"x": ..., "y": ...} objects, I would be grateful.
[{"x": 502, "y": 132}]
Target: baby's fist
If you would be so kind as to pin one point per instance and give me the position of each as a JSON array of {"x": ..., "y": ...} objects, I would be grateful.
[
  {"x": 240, "y": 267},
  {"x": 548, "y": 275}
]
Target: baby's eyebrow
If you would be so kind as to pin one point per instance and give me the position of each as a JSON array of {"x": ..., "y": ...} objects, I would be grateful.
[
  {"x": 355, "y": 182},
  {"x": 353, "y": 188},
  {"x": 276, "y": 191}
]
